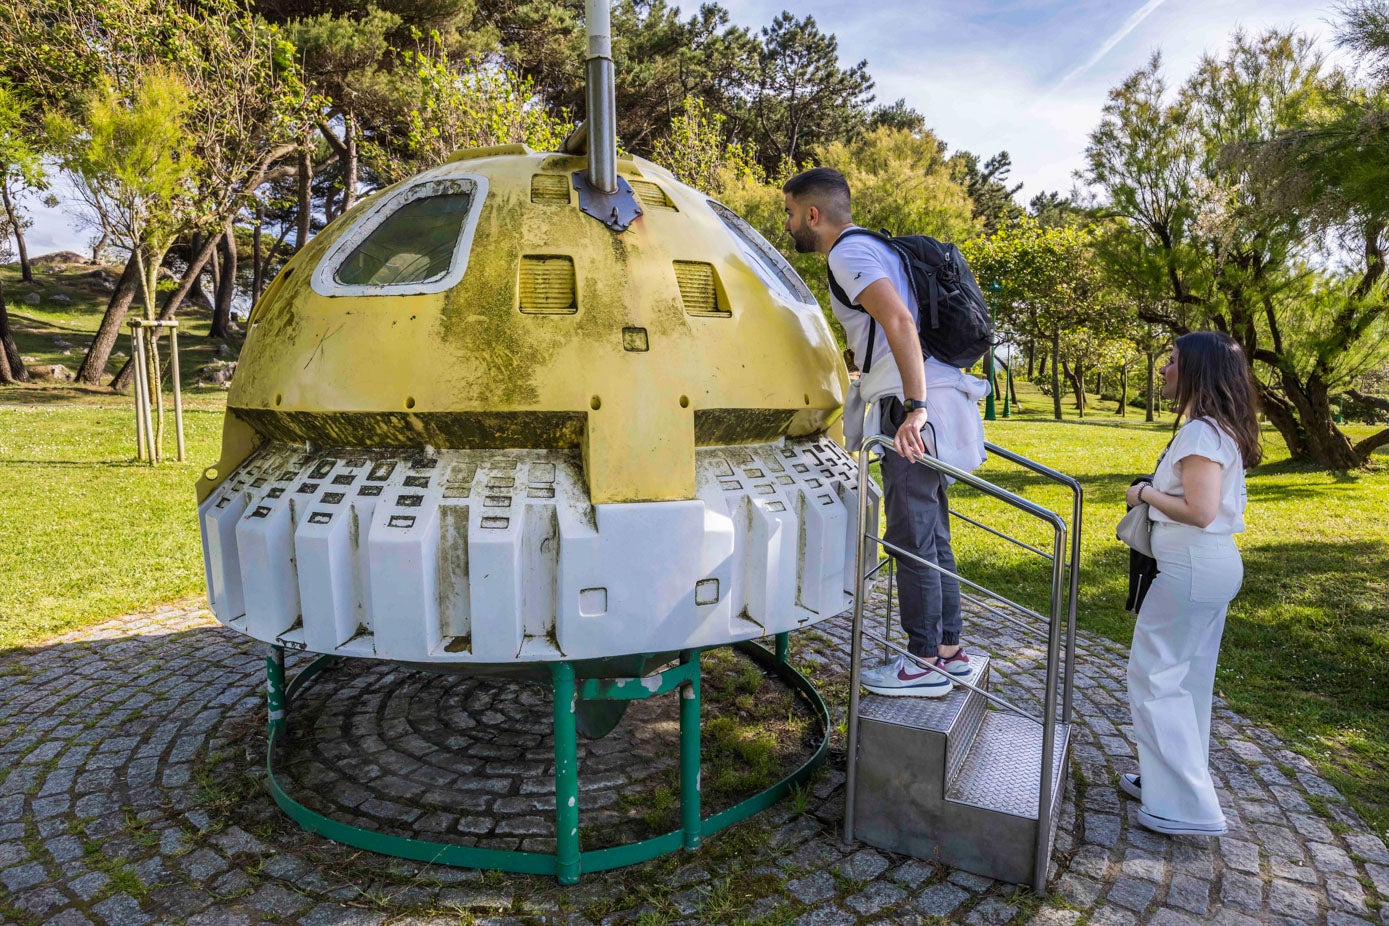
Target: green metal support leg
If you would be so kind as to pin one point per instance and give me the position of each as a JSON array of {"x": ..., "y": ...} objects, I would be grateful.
[
  {"x": 275, "y": 687},
  {"x": 783, "y": 647},
  {"x": 689, "y": 753},
  {"x": 567, "y": 863}
]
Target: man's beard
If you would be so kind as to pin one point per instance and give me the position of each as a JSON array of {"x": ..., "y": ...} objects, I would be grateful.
[{"x": 804, "y": 240}]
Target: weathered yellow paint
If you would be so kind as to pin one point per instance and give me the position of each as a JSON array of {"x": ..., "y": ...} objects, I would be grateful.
[
  {"x": 239, "y": 441},
  {"x": 467, "y": 367}
]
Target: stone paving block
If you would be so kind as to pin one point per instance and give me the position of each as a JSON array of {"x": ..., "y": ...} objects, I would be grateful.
[
  {"x": 39, "y": 902},
  {"x": 1132, "y": 893},
  {"x": 1241, "y": 891},
  {"x": 1347, "y": 894},
  {"x": 912, "y": 873},
  {"x": 1112, "y": 916},
  {"x": 1054, "y": 916},
  {"x": 1337, "y": 918},
  {"x": 1190, "y": 894},
  {"x": 1140, "y": 863},
  {"x": 992, "y": 911},
  {"x": 875, "y": 897},
  {"x": 1293, "y": 871},
  {"x": 1294, "y": 900},
  {"x": 1240, "y": 855},
  {"x": 941, "y": 899},
  {"x": 814, "y": 888},
  {"x": 18, "y": 877},
  {"x": 971, "y": 882},
  {"x": 69, "y": 917},
  {"x": 830, "y": 915},
  {"x": 1165, "y": 917},
  {"x": 121, "y": 910},
  {"x": 89, "y": 885},
  {"x": 1368, "y": 847},
  {"x": 863, "y": 865}
]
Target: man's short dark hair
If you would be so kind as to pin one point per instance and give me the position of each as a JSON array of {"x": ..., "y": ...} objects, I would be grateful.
[{"x": 823, "y": 186}]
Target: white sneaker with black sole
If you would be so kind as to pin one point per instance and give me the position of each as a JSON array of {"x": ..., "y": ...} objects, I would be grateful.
[
  {"x": 1177, "y": 827},
  {"x": 900, "y": 677}
]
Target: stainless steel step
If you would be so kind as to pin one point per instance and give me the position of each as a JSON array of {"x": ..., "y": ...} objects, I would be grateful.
[
  {"x": 955, "y": 716},
  {"x": 1003, "y": 769},
  {"x": 953, "y": 782}
]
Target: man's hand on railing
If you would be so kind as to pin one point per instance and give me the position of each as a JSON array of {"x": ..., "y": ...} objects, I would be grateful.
[{"x": 908, "y": 441}]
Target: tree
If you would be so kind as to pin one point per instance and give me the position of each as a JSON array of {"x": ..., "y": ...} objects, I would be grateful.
[
  {"x": 20, "y": 165},
  {"x": 988, "y": 188},
  {"x": 451, "y": 109},
  {"x": 132, "y": 149},
  {"x": 698, "y": 152},
  {"x": 898, "y": 116},
  {"x": 1043, "y": 284},
  {"x": 803, "y": 96},
  {"x": 1199, "y": 234}
]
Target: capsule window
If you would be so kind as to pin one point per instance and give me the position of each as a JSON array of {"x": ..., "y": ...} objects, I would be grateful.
[
  {"x": 764, "y": 259},
  {"x": 415, "y": 241}
]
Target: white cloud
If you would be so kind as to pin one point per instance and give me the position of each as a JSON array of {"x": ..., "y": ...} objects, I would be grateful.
[{"x": 1119, "y": 35}]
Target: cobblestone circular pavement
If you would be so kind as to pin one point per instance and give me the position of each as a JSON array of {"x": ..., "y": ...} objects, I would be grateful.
[{"x": 132, "y": 792}]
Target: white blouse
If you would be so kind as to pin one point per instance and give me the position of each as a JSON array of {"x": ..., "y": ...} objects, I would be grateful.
[{"x": 1204, "y": 438}]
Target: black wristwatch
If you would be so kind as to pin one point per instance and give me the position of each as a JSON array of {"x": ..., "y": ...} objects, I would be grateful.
[{"x": 911, "y": 405}]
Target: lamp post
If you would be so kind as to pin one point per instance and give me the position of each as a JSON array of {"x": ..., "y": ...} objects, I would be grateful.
[
  {"x": 1008, "y": 382},
  {"x": 989, "y": 413}
]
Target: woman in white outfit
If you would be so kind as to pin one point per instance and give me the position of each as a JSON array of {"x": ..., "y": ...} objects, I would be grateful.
[{"x": 1196, "y": 500}]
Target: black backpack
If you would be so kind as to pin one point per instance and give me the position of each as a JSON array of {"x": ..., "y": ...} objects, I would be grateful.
[{"x": 952, "y": 318}]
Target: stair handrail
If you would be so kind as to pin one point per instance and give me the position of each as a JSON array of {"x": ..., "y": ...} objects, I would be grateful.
[
  {"x": 1057, "y": 608},
  {"x": 1077, "y": 506}
]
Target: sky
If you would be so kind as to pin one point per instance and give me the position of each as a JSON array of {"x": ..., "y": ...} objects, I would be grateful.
[{"x": 1024, "y": 76}]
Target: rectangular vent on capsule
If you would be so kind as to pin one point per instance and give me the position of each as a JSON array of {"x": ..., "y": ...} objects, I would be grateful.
[
  {"x": 652, "y": 196},
  {"x": 551, "y": 188},
  {"x": 699, "y": 289},
  {"x": 547, "y": 285}
]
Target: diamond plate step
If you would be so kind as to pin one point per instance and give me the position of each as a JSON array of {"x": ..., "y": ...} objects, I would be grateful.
[
  {"x": 956, "y": 716},
  {"x": 1003, "y": 770}
]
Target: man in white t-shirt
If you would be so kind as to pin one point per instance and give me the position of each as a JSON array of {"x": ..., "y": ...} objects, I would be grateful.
[{"x": 877, "y": 307}]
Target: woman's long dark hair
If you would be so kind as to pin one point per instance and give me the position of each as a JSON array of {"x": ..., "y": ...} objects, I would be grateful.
[{"x": 1213, "y": 382}]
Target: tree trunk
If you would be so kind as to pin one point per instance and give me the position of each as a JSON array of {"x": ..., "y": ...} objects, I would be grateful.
[
  {"x": 1152, "y": 391},
  {"x": 26, "y": 270},
  {"x": 1042, "y": 363},
  {"x": 1073, "y": 377},
  {"x": 305, "y": 217},
  {"x": 12, "y": 369},
  {"x": 172, "y": 305},
  {"x": 93, "y": 366},
  {"x": 1123, "y": 392},
  {"x": 1055, "y": 373},
  {"x": 1099, "y": 383},
  {"x": 195, "y": 290},
  {"x": 1031, "y": 356},
  {"x": 257, "y": 259},
  {"x": 226, "y": 285},
  {"x": 349, "y": 161}
]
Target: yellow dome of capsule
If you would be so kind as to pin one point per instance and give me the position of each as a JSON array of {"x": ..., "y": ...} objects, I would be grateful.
[{"x": 476, "y": 306}]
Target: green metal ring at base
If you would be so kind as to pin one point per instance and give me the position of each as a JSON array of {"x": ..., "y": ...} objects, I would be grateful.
[{"x": 544, "y": 863}]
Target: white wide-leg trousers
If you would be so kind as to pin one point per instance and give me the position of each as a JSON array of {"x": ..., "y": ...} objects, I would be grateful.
[{"x": 1176, "y": 642}]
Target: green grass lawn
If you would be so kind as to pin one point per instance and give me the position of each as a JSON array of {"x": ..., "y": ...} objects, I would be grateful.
[
  {"x": 87, "y": 534},
  {"x": 57, "y": 332}
]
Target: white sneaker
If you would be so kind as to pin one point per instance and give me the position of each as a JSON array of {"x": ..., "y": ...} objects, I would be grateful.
[
  {"x": 1132, "y": 785},
  {"x": 902, "y": 678},
  {"x": 1178, "y": 828},
  {"x": 960, "y": 668}
]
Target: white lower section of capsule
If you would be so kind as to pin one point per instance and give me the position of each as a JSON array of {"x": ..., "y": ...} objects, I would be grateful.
[{"x": 497, "y": 556}]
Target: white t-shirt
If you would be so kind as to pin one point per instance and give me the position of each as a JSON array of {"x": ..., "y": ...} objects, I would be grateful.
[
  {"x": 1204, "y": 438},
  {"x": 856, "y": 262}
]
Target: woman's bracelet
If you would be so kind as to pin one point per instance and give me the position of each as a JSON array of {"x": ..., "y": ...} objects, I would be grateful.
[{"x": 1141, "y": 487}]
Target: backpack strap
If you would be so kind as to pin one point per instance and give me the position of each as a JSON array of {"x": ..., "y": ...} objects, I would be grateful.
[{"x": 838, "y": 291}]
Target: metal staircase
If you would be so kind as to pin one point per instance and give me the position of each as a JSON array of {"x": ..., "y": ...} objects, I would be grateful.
[{"x": 970, "y": 780}]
